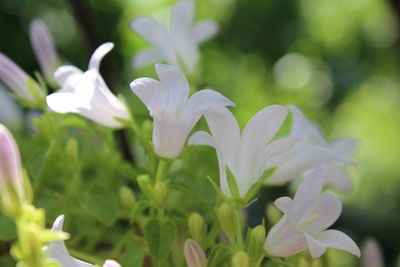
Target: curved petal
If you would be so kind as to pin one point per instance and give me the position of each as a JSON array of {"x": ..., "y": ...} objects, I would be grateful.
[
  {"x": 151, "y": 30},
  {"x": 201, "y": 138},
  {"x": 146, "y": 57},
  {"x": 111, "y": 263},
  {"x": 316, "y": 247},
  {"x": 300, "y": 124},
  {"x": 176, "y": 86},
  {"x": 63, "y": 101},
  {"x": 182, "y": 15},
  {"x": 277, "y": 147},
  {"x": 285, "y": 204},
  {"x": 336, "y": 176},
  {"x": 307, "y": 194},
  {"x": 339, "y": 240},
  {"x": 68, "y": 76},
  {"x": 372, "y": 254},
  {"x": 344, "y": 146},
  {"x": 99, "y": 53},
  {"x": 149, "y": 91},
  {"x": 204, "y": 30}
]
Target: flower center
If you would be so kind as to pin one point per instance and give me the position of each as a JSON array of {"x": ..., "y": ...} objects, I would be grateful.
[{"x": 307, "y": 222}]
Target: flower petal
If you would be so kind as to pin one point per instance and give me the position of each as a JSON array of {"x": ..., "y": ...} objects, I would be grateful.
[
  {"x": 99, "y": 53},
  {"x": 145, "y": 57},
  {"x": 68, "y": 76},
  {"x": 339, "y": 240},
  {"x": 201, "y": 138},
  {"x": 316, "y": 247},
  {"x": 111, "y": 263},
  {"x": 63, "y": 101},
  {"x": 344, "y": 146},
  {"x": 285, "y": 204},
  {"x": 194, "y": 254},
  {"x": 336, "y": 176},
  {"x": 182, "y": 14},
  {"x": 204, "y": 30},
  {"x": 278, "y": 147},
  {"x": 307, "y": 193},
  {"x": 149, "y": 91}
]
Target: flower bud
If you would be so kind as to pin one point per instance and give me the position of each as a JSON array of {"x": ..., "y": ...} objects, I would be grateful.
[
  {"x": 43, "y": 46},
  {"x": 72, "y": 150},
  {"x": 226, "y": 219},
  {"x": 127, "y": 196},
  {"x": 240, "y": 259},
  {"x": 372, "y": 255},
  {"x": 160, "y": 194},
  {"x": 111, "y": 263},
  {"x": 145, "y": 185},
  {"x": 255, "y": 245},
  {"x": 24, "y": 87},
  {"x": 196, "y": 226},
  {"x": 11, "y": 180},
  {"x": 194, "y": 254},
  {"x": 273, "y": 214}
]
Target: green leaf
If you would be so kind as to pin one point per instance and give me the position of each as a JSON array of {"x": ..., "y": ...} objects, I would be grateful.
[
  {"x": 233, "y": 187},
  {"x": 8, "y": 229},
  {"x": 220, "y": 256},
  {"x": 160, "y": 237},
  {"x": 134, "y": 254},
  {"x": 256, "y": 186}
]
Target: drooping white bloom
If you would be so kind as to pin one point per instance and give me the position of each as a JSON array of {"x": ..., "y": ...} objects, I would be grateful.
[
  {"x": 312, "y": 151},
  {"x": 177, "y": 45},
  {"x": 23, "y": 86},
  {"x": 58, "y": 251},
  {"x": 305, "y": 220},
  {"x": 194, "y": 254},
  {"x": 11, "y": 180},
  {"x": 372, "y": 255},
  {"x": 87, "y": 94},
  {"x": 245, "y": 154},
  {"x": 173, "y": 111},
  {"x": 43, "y": 46}
]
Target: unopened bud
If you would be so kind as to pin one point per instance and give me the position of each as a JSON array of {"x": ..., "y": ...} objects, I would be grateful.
[
  {"x": 196, "y": 226},
  {"x": 72, "y": 149},
  {"x": 255, "y": 245},
  {"x": 226, "y": 218},
  {"x": 194, "y": 254},
  {"x": 240, "y": 259},
  {"x": 127, "y": 196},
  {"x": 145, "y": 185},
  {"x": 273, "y": 214},
  {"x": 160, "y": 194}
]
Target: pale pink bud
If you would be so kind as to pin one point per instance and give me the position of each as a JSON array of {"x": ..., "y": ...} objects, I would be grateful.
[
  {"x": 194, "y": 254},
  {"x": 43, "y": 46},
  {"x": 372, "y": 255}
]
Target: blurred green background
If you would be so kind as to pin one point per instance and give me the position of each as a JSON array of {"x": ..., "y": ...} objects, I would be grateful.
[{"x": 338, "y": 60}]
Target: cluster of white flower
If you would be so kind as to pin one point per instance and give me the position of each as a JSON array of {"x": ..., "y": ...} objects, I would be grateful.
[{"x": 246, "y": 159}]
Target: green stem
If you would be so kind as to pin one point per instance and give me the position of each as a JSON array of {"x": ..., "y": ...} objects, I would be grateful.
[
  {"x": 239, "y": 234},
  {"x": 161, "y": 170}
]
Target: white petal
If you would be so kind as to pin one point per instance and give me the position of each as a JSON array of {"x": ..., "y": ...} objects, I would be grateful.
[
  {"x": 68, "y": 76},
  {"x": 204, "y": 30},
  {"x": 175, "y": 85},
  {"x": 344, "y": 146},
  {"x": 300, "y": 124},
  {"x": 111, "y": 263},
  {"x": 146, "y": 57},
  {"x": 201, "y": 138},
  {"x": 202, "y": 100},
  {"x": 316, "y": 247},
  {"x": 182, "y": 14},
  {"x": 285, "y": 204},
  {"x": 63, "y": 101},
  {"x": 336, "y": 176},
  {"x": 99, "y": 53},
  {"x": 150, "y": 92},
  {"x": 307, "y": 193},
  {"x": 278, "y": 147},
  {"x": 327, "y": 208},
  {"x": 339, "y": 240}
]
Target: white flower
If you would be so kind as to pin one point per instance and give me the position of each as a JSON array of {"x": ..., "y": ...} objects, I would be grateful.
[
  {"x": 23, "y": 86},
  {"x": 304, "y": 222},
  {"x": 43, "y": 46},
  {"x": 245, "y": 154},
  {"x": 311, "y": 151},
  {"x": 177, "y": 45},
  {"x": 58, "y": 251},
  {"x": 86, "y": 93},
  {"x": 173, "y": 111}
]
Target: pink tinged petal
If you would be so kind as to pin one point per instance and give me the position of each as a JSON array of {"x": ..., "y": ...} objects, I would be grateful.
[
  {"x": 284, "y": 240},
  {"x": 10, "y": 162},
  {"x": 344, "y": 146},
  {"x": 204, "y": 30},
  {"x": 43, "y": 46},
  {"x": 300, "y": 124},
  {"x": 99, "y": 53},
  {"x": 150, "y": 91},
  {"x": 202, "y": 100},
  {"x": 336, "y": 176},
  {"x": 316, "y": 247},
  {"x": 68, "y": 77},
  {"x": 201, "y": 138},
  {"x": 327, "y": 209},
  {"x": 146, "y": 57},
  {"x": 284, "y": 204},
  {"x": 339, "y": 240},
  {"x": 194, "y": 254},
  {"x": 307, "y": 194},
  {"x": 111, "y": 263},
  {"x": 175, "y": 85},
  {"x": 372, "y": 255},
  {"x": 169, "y": 134},
  {"x": 15, "y": 78}
]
